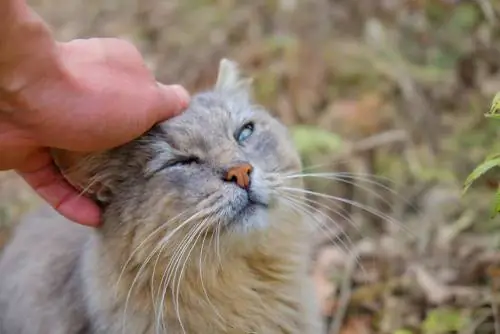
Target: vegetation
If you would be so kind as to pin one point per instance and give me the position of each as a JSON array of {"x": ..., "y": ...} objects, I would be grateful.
[{"x": 491, "y": 161}]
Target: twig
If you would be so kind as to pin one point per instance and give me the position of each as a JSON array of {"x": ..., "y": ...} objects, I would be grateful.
[
  {"x": 480, "y": 319},
  {"x": 488, "y": 10},
  {"x": 345, "y": 296},
  {"x": 380, "y": 139},
  {"x": 494, "y": 308}
]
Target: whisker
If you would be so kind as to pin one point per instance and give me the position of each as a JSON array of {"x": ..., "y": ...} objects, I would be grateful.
[
  {"x": 363, "y": 177},
  {"x": 158, "y": 229},
  {"x": 201, "y": 278},
  {"x": 299, "y": 206},
  {"x": 368, "y": 209},
  {"x": 156, "y": 248},
  {"x": 169, "y": 270},
  {"x": 197, "y": 233},
  {"x": 366, "y": 176}
]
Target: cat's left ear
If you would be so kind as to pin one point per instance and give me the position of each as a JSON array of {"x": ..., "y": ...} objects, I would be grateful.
[{"x": 230, "y": 81}]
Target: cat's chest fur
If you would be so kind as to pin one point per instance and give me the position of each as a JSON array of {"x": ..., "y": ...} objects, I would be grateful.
[{"x": 258, "y": 293}]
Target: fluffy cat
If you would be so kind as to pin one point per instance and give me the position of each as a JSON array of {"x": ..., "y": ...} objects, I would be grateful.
[{"x": 196, "y": 236}]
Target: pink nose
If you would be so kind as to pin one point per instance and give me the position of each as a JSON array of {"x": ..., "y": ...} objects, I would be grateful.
[{"x": 239, "y": 174}]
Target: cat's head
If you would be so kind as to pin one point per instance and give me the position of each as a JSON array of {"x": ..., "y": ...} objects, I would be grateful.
[{"x": 217, "y": 166}]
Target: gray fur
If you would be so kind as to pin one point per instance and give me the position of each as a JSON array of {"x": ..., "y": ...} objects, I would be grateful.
[{"x": 58, "y": 277}]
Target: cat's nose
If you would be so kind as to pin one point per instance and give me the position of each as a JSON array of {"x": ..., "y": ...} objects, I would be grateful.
[{"x": 239, "y": 174}]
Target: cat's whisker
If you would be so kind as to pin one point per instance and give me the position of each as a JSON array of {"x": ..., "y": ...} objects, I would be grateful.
[
  {"x": 340, "y": 211},
  {"x": 153, "y": 276},
  {"x": 194, "y": 242},
  {"x": 299, "y": 206},
  {"x": 173, "y": 267},
  {"x": 363, "y": 207},
  {"x": 162, "y": 291},
  {"x": 165, "y": 280},
  {"x": 360, "y": 176},
  {"x": 363, "y": 178},
  {"x": 200, "y": 266},
  {"x": 156, "y": 248},
  {"x": 143, "y": 243},
  {"x": 89, "y": 185}
]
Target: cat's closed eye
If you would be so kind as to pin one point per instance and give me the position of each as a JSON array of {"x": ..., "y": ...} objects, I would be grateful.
[
  {"x": 176, "y": 162},
  {"x": 182, "y": 161}
]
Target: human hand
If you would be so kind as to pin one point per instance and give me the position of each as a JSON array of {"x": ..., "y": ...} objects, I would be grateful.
[{"x": 81, "y": 96}]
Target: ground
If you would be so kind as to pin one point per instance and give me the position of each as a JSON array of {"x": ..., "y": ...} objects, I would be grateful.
[{"x": 389, "y": 94}]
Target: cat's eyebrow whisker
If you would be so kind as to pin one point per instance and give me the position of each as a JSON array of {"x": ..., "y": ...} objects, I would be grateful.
[{"x": 363, "y": 207}]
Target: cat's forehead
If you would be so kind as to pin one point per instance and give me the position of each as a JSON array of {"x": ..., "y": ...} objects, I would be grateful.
[{"x": 209, "y": 115}]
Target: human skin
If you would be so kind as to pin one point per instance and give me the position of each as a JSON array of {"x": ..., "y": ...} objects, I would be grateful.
[{"x": 81, "y": 96}]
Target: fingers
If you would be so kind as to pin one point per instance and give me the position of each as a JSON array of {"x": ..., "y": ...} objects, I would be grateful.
[
  {"x": 172, "y": 100},
  {"x": 55, "y": 190}
]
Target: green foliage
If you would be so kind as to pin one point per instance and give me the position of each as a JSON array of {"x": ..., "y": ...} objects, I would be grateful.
[
  {"x": 403, "y": 331},
  {"x": 444, "y": 320},
  {"x": 310, "y": 141},
  {"x": 490, "y": 162},
  {"x": 495, "y": 108}
]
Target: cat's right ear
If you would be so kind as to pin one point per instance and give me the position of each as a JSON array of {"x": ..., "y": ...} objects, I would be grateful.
[{"x": 231, "y": 82}]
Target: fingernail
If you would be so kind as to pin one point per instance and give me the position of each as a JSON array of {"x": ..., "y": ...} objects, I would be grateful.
[{"x": 180, "y": 92}]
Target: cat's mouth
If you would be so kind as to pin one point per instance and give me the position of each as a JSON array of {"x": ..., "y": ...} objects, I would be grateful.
[
  {"x": 251, "y": 206},
  {"x": 247, "y": 208}
]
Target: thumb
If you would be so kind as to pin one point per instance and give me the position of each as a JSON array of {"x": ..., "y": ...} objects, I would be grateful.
[
  {"x": 172, "y": 100},
  {"x": 44, "y": 177}
]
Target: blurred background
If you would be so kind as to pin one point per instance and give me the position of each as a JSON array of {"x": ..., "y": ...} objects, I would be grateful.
[{"x": 388, "y": 94}]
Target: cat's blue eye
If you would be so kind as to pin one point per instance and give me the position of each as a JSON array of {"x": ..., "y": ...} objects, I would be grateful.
[{"x": 245, "y": 132}]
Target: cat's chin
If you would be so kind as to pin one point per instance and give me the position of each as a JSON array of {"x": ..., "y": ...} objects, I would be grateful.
[{"x": 254, "y": 216}]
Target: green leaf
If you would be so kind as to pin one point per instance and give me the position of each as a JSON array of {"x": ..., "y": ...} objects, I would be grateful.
[
  {"x": 403, "y": 331},
  {"x": 493, "y": 116},
  {"x": 492, "y": 156},
  {"x": 496, "y": 204},
  {"x": 479, "y": 171},
  {"x": 495, "y": 107},
  {"x": 444, "y": 320},
  {"x": 464, "y": 17}
]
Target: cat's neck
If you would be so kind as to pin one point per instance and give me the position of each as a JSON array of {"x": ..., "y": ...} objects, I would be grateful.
[{"x": 213, "y": 267}]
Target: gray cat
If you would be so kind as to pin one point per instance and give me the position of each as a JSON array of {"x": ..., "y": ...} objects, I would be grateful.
[{"x": 200, "y": 234}]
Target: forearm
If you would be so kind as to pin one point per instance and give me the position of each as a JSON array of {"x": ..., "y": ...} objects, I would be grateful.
[
  {"x": 27, "y": 48},
  {"x": 20, "y": 26}
]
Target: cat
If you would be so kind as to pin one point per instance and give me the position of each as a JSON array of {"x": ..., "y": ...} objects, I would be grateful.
[{"x": 197, "y": 234}]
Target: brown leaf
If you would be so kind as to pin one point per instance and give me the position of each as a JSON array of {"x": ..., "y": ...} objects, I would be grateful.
[
  {"x": 357, "y": 325},
  {"x": 326, "y": 287}
]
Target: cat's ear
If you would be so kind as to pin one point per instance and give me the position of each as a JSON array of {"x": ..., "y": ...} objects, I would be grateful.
[{"x": 230, "y": 81}]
